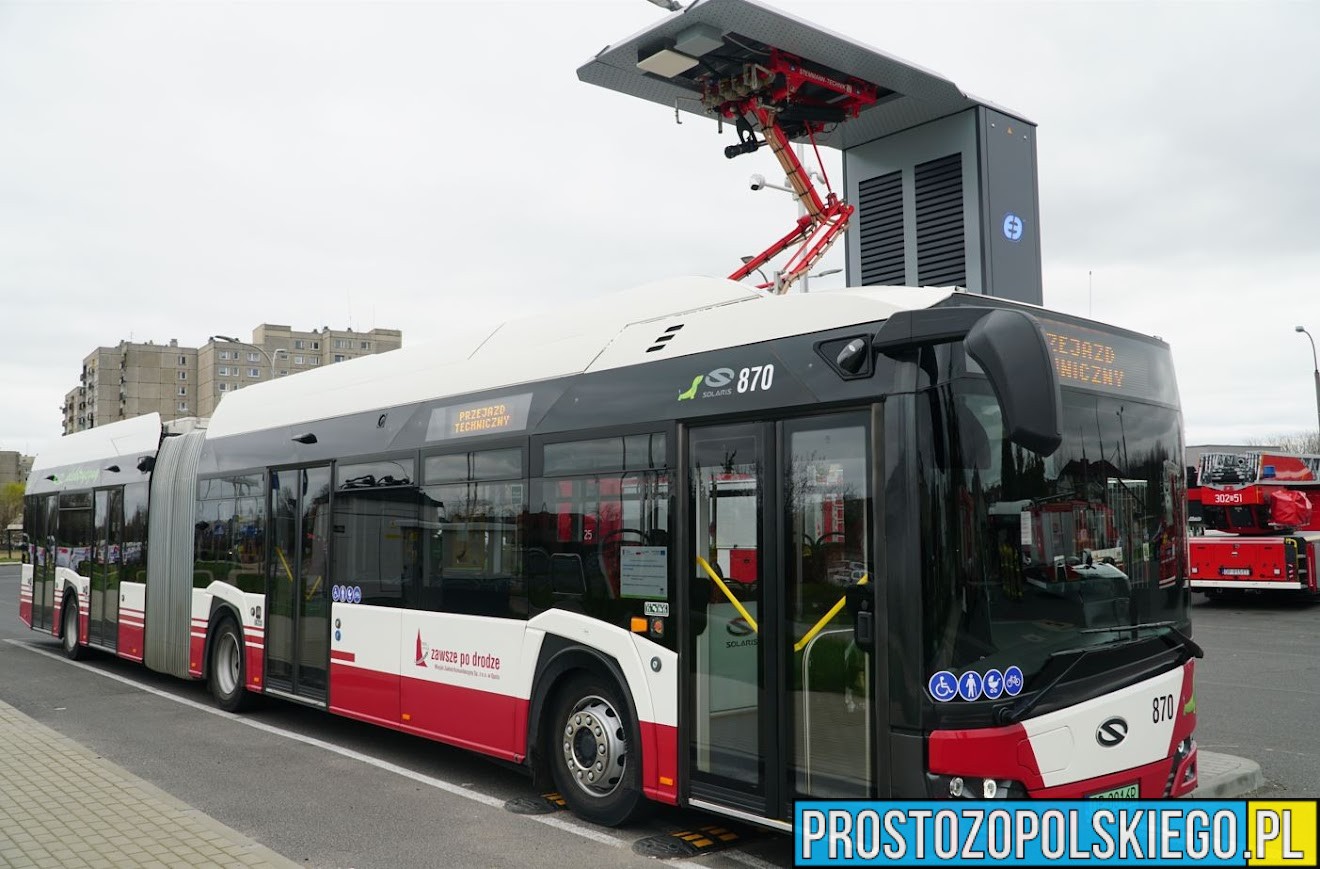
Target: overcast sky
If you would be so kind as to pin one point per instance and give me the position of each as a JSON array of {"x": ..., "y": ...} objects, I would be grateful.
[{"x": 177, "y": 170}]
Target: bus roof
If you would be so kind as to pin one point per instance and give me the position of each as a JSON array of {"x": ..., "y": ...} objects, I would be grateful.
[
  {"x": 612, "y": 331},
  {"x": 130, "y": 438}
]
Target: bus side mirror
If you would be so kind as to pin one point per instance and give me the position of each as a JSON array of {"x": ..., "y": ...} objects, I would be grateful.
[{"x": 1011, "y": 350}]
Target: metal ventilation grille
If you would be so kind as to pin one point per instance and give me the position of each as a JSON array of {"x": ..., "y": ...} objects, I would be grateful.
[
  {"x": 664, "y": 339},
  {"x": 880, "y": 224},
  {"x": 941, "y": 241}
]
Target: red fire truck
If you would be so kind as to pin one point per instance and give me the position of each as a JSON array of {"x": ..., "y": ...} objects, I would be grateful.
[{"x": 1260, "y": 532}]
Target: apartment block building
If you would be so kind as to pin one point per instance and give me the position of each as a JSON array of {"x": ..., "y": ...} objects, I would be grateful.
[
  {"x": 14, "y": 467},
  {"x": 133, "y": 378}
]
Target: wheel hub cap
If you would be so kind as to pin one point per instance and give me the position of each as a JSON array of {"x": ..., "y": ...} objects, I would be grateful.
[{"x": 594, "y": 747}]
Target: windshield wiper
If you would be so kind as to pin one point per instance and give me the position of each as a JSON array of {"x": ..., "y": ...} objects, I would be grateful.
[
  {"x": 1194, "y": 650},
  {"x": 1015, "y": 713},
  {"x": 1117, "y": 628},
  {"x": 1018, "y": 711}
]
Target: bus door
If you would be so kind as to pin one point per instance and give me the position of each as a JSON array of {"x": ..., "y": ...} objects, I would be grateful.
[
  {"x": 43, "y": 569},
  {"x": 297, "y": 597},
  {"x": 779, "y": 700},
  {"x": 107, "y": 543}
]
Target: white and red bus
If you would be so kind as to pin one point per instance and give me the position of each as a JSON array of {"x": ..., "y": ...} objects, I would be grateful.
[{"x": 689, "y": 544}]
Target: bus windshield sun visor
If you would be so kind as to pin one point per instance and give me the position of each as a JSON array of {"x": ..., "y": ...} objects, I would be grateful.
[{"x": 1011, "y": 350}]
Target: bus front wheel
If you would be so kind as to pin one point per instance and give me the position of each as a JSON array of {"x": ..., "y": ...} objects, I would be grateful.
[{"x": 594, "y": 752}]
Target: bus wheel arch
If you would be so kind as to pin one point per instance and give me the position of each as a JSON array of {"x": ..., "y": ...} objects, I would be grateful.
[
  {"x": 225, "y": 663},
  {"x": 73, "y": 650},
  {"x": 579, "y": 693}
]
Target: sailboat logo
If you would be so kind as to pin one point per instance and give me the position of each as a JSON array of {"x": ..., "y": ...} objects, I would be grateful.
[{"x": 421, "y": 650}]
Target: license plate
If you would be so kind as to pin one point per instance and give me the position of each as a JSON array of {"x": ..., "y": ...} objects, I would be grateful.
[
  {"x": 1126, "y": 792},
  {"x": 1235, "y": 571}
]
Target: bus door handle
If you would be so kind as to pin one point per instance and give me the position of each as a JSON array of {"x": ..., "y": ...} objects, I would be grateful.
[{"x": 861, "y": 603}]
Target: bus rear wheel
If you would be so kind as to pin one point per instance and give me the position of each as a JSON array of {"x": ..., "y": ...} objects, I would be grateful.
[
  {"x": 594, "y": 752},
  {"x": 69, "y": 641},
  {"x": 229, "y": 668}
]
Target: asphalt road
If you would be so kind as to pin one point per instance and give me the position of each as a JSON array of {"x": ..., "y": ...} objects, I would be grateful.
[
  {"x": 321, "y": 790},
  {"x": 1258, "y": 689},
  {"x": 329, "y": 792}
]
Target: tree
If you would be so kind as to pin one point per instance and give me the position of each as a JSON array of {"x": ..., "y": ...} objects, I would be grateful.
[
  {"x": 1302, "y": 442},
  {"x": 11, "y": 505}
]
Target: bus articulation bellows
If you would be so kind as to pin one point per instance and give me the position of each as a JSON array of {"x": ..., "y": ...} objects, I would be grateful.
[{"x": 689, "y": 544}]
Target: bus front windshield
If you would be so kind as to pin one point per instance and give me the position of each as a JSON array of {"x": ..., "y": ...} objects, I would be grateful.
[{"x": 1024, "y": 556}]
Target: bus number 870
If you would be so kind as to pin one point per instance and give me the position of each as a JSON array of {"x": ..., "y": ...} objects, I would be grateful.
[{"x": 757, "y": 378}]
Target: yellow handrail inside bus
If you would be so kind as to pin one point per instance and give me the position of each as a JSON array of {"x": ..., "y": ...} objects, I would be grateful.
[
  {"x": 737, "y": 604},
  {"x": 825, "y": 619},
  {"x": 285, "y": 562}
]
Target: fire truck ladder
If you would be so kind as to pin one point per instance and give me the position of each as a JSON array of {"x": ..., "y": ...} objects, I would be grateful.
[{"x": 780, "y": 100}]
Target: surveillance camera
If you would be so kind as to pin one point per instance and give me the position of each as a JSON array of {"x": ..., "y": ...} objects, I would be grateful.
[{"x": 757, "y": 181}]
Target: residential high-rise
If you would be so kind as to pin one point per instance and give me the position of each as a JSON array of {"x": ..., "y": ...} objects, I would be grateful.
[
  {"x": 14, "y": 467},
  {"x": 134, "y": 378}
]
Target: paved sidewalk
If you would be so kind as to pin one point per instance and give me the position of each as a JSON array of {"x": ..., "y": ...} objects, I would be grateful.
[
  {"x": 62, "y": 806},
  {"x": 1225, "y": 777}
]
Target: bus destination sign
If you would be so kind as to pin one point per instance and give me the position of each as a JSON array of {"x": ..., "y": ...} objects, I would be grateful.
[
  {"x": 1082, "y": 360},
  {"x": 1115, "y": 364},
  {"x": 478, "y": 418}
]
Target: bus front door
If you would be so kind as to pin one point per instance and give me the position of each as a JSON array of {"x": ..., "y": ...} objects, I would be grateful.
[
  {"x": 103, "y": 601},
  {"x": 779, "y": 702},
  {"x": 297, "y": 599}
]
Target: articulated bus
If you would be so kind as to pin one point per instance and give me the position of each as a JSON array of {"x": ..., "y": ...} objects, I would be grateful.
[{"x": 690, "y": 544}]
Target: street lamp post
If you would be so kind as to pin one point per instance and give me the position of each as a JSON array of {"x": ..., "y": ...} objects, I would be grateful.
[{"x": 1316, "y": 366}]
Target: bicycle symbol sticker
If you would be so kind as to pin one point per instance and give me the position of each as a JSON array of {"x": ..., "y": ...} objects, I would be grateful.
[{"x": 1013, "y": 681}]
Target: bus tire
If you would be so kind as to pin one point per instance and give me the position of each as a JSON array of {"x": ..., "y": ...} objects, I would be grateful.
[
  {"x": 228, "y": 670},
  {"x": 594, "y": 751},
  {"x": 69, "y": 636}
]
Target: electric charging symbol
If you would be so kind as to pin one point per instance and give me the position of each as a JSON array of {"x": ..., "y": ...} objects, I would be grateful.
[{"x": 1012, "y": 227}]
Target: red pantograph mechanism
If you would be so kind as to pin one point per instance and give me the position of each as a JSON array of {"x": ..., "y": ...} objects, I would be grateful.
[{"x": 781, "y": 100}]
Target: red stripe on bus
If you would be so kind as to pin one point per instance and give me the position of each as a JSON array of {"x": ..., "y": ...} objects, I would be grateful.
[
  {"x": 336, "y": 655},
  {"x": 1185, "y": 723},
  {"x": 660, "y": 762},
  {"x": 364, "y": 694},
  {"x": 130, "y": 640},
  {"x": 478, "y": 720},
  {"x": 256, "y": 665},
  {"x": 195, "y": 651},
  {"x": 991, "y": 752}
]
